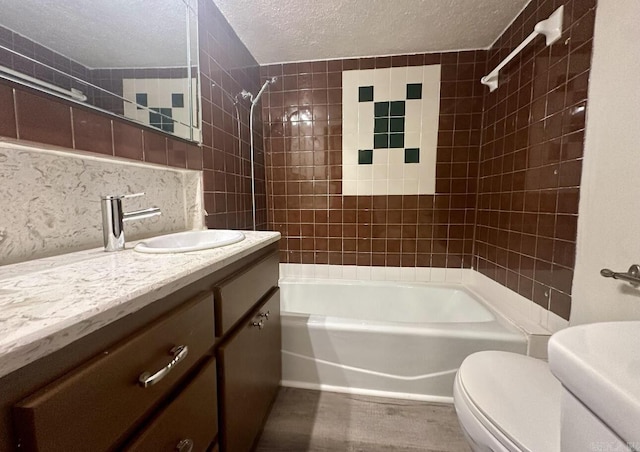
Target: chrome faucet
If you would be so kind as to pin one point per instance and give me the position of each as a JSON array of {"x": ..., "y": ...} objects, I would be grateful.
[{"x": 113, "y": 219}]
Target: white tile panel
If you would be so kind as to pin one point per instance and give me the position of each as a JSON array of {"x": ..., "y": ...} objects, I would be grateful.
[
  {"x": 382, "y": 86},
  {"x": 398, "y": 84},
  {"x": 421, "y": 131}
]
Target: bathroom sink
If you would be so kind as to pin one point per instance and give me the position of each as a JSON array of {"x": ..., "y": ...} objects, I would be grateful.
[
  {"x": 182, "y": 242},
  {"x": 600, "y": 364}
]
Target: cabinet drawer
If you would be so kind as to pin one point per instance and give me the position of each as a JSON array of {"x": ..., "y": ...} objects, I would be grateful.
[
  {"x": 191, "y": 420},
  {"x": 250, "y": 376},
  {"x": 235, "y": 296},
  {"x": 95, "y": 406}
]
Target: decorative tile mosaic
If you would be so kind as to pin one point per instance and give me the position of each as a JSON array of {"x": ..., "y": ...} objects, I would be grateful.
[
  {"x": 164, "y": 99},
  {"x": 390, "y": 130}
]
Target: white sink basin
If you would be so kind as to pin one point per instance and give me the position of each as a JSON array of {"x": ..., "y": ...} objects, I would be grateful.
[
  {"x": 600, "y": 365},
  {"x": 182, "y": 242}
]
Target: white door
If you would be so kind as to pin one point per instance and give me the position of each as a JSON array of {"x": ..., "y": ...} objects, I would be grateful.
[{"x": 609, "y": 215}]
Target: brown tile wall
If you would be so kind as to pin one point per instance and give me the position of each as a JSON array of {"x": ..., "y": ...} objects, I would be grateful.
[
  {"x": 531, "y": 157},
  {"x": 34, "y": 50},
  {"x": 37, "y": 117},
  {"x": 304, "y": 172},
  {"x": 225, "y": 61},
  {"x": 41, "y": 118},
  {"x": 109, "y": 79}
]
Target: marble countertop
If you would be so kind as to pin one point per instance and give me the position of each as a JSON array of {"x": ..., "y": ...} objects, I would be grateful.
[{"x": 46, "y": 304}]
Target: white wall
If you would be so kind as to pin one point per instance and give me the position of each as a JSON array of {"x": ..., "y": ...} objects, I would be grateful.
[{"x": 609, "y": 215}]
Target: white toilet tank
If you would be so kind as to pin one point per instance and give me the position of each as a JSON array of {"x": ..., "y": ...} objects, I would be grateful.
[{"x": 581, "y": 430}]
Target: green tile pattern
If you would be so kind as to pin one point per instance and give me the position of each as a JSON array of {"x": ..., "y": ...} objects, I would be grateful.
[
  {"x": 414, "y": 90},
  {"x": 389, "y": 124},
  {"x": 381, "y": 109},
  {"x": 412, "y": 155},
  {"x": 381, "y": 125},
  {"x": 396, "y": 124},
  {"x": 380, "y": 140},
  {"x": 161, "y": 119},
  {"x": 365, "y": 156},
  {"x": 397, "y": 108},
  {"x": 141, "y": 99},
  {"x": 177, "y": 100},
  {"x": 365, "y": 94},
  {"x": 396, "y": 140}
]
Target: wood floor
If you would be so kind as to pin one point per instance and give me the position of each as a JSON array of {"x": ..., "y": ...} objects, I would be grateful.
[{"x": 303, "y": 420}]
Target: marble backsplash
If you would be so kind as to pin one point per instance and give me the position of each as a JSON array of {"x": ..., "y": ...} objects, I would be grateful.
[{"x": 50, "y": 200}]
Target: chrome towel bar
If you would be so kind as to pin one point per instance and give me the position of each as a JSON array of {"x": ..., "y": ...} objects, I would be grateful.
[{"x": 631, "y": 276}]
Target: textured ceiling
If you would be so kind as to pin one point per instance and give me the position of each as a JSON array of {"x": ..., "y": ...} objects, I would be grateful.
[
  {"x": 277, "y": 31},
  {"x": 104, "y": 33}
]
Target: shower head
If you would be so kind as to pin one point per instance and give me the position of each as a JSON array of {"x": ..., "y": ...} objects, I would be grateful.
[
  {"x": 270, "y": 81},
  {"x": 254, "y": 99}
]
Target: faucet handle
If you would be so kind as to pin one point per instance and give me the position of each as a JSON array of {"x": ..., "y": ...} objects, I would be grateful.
[{"x": 133, "y": 195}]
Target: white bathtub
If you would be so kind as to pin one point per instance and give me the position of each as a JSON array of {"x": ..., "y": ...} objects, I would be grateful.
[{"x": 403, "y": 340}]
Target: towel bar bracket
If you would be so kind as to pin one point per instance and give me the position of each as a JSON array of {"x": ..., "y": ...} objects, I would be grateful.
[
  {"x": 551, "y": 28},
  {"x": 632, "y": 276}
]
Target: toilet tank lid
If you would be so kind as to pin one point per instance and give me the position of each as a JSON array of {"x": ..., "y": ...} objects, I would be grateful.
[
  {"x": 599, "y": 364},
  {"x": 517, "y": 394}
]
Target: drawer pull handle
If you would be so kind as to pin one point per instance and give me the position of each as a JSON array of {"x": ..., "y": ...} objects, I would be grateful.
[
  {"x": 259, "y": 324},
  {"x": 179, "y": 353},
  {"x": 186, "y": 445},
  {"x": 265, "y": 315}
]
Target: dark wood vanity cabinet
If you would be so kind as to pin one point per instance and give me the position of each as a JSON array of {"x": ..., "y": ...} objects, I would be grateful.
[
  {"x": 250, "y": 362},
  {"x": 249, "y": 354},
  {"x": 88, "y": 396},
  {"x": 94, "y": 406}
]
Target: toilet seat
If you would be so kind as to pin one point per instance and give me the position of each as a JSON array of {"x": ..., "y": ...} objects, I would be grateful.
[
  {"x": 476, "y": 428},
  {"x": 508, "y": 403}
]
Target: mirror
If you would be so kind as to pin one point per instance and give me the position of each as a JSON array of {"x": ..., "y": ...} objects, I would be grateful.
[{"x": 133, "y": 58}]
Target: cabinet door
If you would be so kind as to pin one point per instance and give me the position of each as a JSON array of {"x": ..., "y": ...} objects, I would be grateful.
[
  {"x": 237, "y": 295},
  {"x": 250, "y": 370},
  {"x": 189, "y": 423}
]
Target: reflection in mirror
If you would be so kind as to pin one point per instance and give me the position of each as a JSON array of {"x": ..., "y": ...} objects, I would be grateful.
[{"x": 133, "y": 58}]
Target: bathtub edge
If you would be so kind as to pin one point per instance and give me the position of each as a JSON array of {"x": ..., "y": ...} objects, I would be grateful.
[
  {"x": 367, "y": 392},
  {"x": 523, "y": 314}
]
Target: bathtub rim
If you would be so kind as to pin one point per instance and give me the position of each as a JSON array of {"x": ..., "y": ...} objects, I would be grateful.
[
  {"x": 494, "y": 329},
  {"x": 538, "y": 321},
  {"x": 499, "y": 317},
  {"x": 512, "y": 309},
  {"x": 347, "y": 282}
]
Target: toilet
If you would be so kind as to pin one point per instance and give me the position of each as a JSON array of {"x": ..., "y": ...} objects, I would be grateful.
[
  {"x": 508, "y": 402},
  {"x": 587, "y": 398}
]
